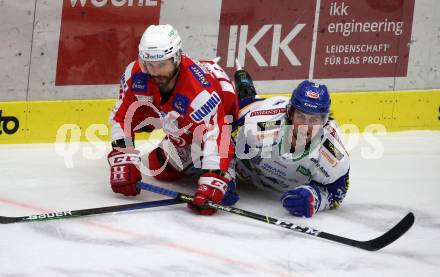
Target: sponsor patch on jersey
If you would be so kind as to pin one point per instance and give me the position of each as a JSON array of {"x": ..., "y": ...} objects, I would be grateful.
[
  {"x": 304, "y": 171},
  {"x": 200, "y": 75},
  {"x": 267, "y": 135},
  {"x": 332, "y": 149},
  {"x": 207, "y": 109},
  {"x": 274, "y": 170},
  {"x": 180, "y": 103},
  {"x": 312, "y": 94},
  {"x": 139, "y": 82},
  {"x": 320, "y": 167},
  {"x": 328, "y": 157},
  {"x": 144, "y": 98},
  {"x": 269, "y": 112},
  {"x": 334, "y": 134},
  {"x": 269, "y": 125}
]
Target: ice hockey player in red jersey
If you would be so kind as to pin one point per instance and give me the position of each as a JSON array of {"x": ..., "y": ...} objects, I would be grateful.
[{"x": 192, "y": 102}]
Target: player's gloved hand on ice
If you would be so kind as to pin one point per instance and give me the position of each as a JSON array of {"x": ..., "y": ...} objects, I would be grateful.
[
  {"x": 303, "y": 201},
  {"x": 231, "y": 195},
  {"x": 124, "y": 170},
  {"x": 212, "y": 187}
]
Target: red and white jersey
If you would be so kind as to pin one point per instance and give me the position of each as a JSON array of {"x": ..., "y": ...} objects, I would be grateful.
[{"x": 193, "y": 114}]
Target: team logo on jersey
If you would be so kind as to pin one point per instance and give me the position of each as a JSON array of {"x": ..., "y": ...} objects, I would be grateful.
[
  {"x": 139, "y": 82},
  {"x": 200, "y": 75},
  {"x": 269, "y": 112},
  {"x": 180, "y": 103},
  {"x": 312, "y": 94},
  {"x": 208, "y": 108}
]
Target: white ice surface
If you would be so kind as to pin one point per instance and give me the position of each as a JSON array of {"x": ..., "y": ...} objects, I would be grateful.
[{"x": 171, "y": 241}]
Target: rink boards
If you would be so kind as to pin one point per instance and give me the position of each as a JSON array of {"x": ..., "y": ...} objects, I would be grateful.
[
  {"x": 380, "y": 59},
  {"x": 87, "y": 120}
]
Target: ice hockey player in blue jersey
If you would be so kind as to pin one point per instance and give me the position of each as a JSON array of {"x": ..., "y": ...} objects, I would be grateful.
[{"x": 291, "y": 146}]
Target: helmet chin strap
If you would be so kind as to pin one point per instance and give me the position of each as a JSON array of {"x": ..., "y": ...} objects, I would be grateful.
[{"x": 178, "y": 58}]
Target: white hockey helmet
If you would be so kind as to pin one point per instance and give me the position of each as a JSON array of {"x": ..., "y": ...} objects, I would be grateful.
[{"x": 160, "y": 42}]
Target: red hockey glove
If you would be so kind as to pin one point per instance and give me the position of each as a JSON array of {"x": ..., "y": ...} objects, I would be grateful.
[
  {"x": 124, "y": 170},
  {"x": 212, "y": 187}
]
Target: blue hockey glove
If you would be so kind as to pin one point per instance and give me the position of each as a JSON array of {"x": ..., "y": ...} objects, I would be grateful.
[
  {"x": 303, "y": 201},
  {"x": 231, "y": 196}
]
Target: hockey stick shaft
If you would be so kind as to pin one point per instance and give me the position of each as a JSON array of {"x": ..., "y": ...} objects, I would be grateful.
[
  {"x": 86, "y": 212},
  {"x": 371, "y": 245}
]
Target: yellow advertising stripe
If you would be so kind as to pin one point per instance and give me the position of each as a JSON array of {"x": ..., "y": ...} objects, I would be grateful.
[
  {"x": 40, "y": 121},
  {"x": 396, "y": 110}
]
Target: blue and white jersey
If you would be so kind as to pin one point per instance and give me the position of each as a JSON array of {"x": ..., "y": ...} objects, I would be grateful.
[{"x": 264, "y": 157}]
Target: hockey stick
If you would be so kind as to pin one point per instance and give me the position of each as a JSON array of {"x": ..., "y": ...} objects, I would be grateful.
[
  {"x": 371, "y": 245},
  {"x": 85, "y": 212}
]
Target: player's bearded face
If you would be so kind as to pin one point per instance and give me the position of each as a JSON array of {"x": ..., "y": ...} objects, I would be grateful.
[
  {"x": 305, "y": 126},
  {"x": 161, "y": 71}
]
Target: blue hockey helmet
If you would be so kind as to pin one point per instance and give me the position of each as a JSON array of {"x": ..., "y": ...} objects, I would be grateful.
[{"x": 311, "y": 98}]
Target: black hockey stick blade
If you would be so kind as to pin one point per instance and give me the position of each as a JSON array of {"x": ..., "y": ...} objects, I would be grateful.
[
  {"x": 380, "y": 242},
  {"x": 86, "y": 212}
]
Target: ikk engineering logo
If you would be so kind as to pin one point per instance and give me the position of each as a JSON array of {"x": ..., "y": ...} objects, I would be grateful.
[
  {"x": 358, "y": 39},
  {"x": 355, "y": 39}
]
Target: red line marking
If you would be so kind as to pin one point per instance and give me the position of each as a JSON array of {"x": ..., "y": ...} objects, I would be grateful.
[{"x": 180, "y": 247}]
